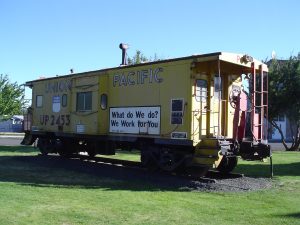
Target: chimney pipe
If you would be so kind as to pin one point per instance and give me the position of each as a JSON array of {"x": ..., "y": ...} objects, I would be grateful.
[{"x": 124, "y": 47}]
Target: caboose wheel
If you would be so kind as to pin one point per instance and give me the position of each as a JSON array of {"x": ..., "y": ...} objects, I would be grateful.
[
  {"x": 66, "y": 148},
  {"x": 227, "y": 164},
  {"x": 44, "y": 146},
  {"x": 91, "y": 149},
  {"x": 91, "y": 153},
  {"x": 169, "y": 160},
  {"x": 147, "y": 160}
]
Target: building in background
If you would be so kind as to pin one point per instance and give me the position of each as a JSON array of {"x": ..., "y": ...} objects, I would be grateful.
[{"x": 14, "y": 124}]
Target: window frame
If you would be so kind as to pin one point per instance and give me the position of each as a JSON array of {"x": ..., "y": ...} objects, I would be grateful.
[
  {"x": 103, "y": 101},
  {"x": 218, "y": 84},
  {"x": 85, "y": 104},
  {"x": 177, "y": 115},
  {"x": 64, "y": 100},
  {"x": 37, "y": 101},
  {"x": 201, "y": 87}
]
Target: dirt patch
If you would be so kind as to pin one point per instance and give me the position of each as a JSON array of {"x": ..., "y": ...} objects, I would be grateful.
[{"x": 231, "y": 185}]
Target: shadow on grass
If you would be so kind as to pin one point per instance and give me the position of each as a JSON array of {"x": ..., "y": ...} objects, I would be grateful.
[
  {"x": 52, "y": 170},
  {"x": 292, "y": 215},
  {"x": 18, "y": 149},
  {"x": 263, "y": 170}
]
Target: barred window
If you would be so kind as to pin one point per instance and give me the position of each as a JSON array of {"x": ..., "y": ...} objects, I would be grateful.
[
  {"x": 177, "y": 108},
  {"x": 201, "y": 90}
]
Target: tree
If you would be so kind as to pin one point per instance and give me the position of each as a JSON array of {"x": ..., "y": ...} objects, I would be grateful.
[
  {"x": 137, "y": 58},
  {"x": 140, "y": 58},
  {"x": 284, "y": 96},
  {"x": 11, "y": 97}
]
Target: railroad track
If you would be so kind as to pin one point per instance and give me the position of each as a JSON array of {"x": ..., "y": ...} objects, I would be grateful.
[
  {"x": 211, "y": 176},
  {"x": 212, "y": 181}
]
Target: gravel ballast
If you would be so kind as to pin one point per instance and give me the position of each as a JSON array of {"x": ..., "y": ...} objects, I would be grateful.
[{"x": 231, "y": 185}]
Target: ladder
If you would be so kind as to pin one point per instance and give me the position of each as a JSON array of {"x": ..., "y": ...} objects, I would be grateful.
[{"x": 259, "y": 113}]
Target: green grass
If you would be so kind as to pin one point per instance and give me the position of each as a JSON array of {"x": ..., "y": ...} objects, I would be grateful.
[
  {"x": 125, "y": 155},
  {"x": 34, "y": 193}
]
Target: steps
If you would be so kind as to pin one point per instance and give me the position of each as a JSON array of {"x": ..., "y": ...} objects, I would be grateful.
[
  {"x": 208, "y": 152},
  {"x": 28, "y": 139}
]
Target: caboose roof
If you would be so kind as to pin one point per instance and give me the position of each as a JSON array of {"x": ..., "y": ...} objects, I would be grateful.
[{"x": 233, "y": 58}]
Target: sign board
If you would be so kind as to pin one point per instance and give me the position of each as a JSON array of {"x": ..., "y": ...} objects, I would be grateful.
[
  {"x": 56, "y": 103},
  {"x": 135, "y": 120},
  {"x": 80, "y": 128}
]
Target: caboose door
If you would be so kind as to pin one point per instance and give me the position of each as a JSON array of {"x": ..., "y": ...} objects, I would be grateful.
[
  {"x": 84, "y": 114},
  {"x": 216, "y": 106},
  {"x": 199, "y": 107}
]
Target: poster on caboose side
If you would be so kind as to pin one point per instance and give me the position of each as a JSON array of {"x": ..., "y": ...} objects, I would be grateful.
[{"x": 135, "y": 120}]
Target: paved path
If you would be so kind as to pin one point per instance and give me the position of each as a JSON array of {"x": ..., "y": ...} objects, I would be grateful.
[
  {"x": 11, "y": 140},
  {"x": 278, "y": 146}
]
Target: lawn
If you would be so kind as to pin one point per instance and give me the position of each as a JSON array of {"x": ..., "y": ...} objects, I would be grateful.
[{"x": 34, "y": 193}]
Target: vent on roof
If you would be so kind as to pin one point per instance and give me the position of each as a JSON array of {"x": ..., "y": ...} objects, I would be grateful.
[{"x": 124, "y": 47}]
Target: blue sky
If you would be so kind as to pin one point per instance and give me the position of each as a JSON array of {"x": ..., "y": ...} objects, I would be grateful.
[{"x": 47, "y": 38}]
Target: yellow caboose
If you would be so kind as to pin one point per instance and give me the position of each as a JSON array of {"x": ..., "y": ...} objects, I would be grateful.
[{"x": 202, "y": 110}]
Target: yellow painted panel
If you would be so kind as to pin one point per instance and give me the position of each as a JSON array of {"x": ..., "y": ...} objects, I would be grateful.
[
  {"x": 85, "y": 122},
  {"x": 52, "y": 115},
  {"x": 154, "y": 85}
]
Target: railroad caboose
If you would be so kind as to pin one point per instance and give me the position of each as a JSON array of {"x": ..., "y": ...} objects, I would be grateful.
[{"x": 202, "y": 110}]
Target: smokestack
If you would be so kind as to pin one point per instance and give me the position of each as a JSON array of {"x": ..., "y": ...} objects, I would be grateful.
[{"x": 124, "y": 47}]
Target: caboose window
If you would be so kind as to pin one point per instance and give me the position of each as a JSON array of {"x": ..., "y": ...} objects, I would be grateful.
[
  {"x": 64, "y": 100},
  {"x": 103, "y": 101},
  {"x": 177, "y": 109},
  {"x": 39, "y": 101},
  {"x": 201, "y": 90},
  {"x": 218, "y": 87},
  {"x": 84, "y": 101}
]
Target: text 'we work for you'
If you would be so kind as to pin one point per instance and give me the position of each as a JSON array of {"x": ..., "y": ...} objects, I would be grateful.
[{"x": 135, "y": 120}]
